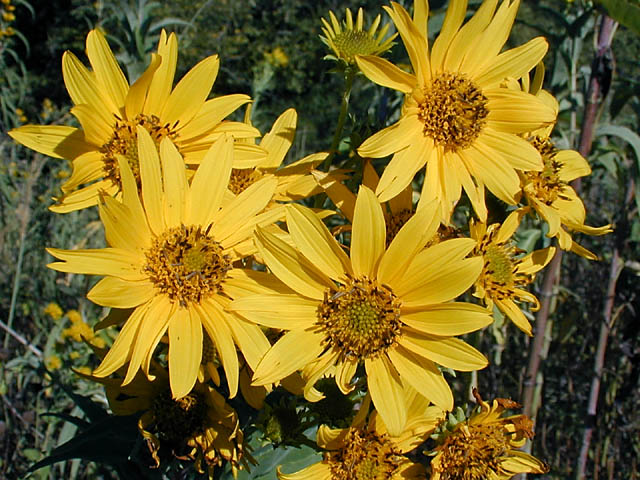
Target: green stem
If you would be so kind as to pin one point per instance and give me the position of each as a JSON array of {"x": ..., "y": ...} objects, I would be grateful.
[{"x": 344, "y": 109}]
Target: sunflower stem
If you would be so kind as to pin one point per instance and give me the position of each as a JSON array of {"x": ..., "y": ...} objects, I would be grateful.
[{"x": 350, "y": 74}]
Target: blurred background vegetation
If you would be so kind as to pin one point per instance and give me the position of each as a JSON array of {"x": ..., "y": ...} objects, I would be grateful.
[{"x": 270, "y": 49}]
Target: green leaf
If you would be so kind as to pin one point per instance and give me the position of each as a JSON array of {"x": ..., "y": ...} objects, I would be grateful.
[
  {"x": 626, "y": 12},
  {"x": 291, "y": 459},
  {"x": 110, "y": 441}
]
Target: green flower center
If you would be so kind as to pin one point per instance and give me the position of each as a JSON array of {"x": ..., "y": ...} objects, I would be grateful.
[
  {"x": 453, "y": 110},
  {"x": 186, "y": 264},
  {"x": 364, "y": 456},
  {"x": 361, "y": 318},
  {"x": 350, "y": 43},
  {"x": 124, "y": 141},
  {"x": 499, "y": 264}
]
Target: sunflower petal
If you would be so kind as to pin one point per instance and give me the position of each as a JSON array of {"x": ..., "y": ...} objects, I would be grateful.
[
  {"x": 293, "y": 351},
  {"x": 368, "y": 234},
  {"x": 185, "y": 351},
  {"x": 386, "y": 392},
  {"x": 422, "y": 375}
]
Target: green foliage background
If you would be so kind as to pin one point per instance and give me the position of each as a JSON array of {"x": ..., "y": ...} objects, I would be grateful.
[{"x": 243, "y": 33}]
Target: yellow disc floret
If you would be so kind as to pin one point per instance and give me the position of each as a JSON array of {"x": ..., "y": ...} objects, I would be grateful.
[
  {"x": 186, "y": 264},
  {"x": 361, "y": 318},
  {"x": 124, "y": 141},
  {"x": 453, "y": 110},
  {"x": 366, "y": 455}
]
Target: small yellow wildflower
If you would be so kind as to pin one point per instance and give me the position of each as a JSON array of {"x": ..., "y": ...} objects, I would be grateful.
[
  {"x": 53, "y": 310},
  {"x": 277, "y": 57},
  {"x": 53, "y": 362},
  {"x": 74, "y": 316}
]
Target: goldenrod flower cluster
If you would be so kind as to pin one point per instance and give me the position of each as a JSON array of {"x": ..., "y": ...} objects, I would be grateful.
[
  {"x": 218, "y": 277},
  {"x": 7, "y": 17}
]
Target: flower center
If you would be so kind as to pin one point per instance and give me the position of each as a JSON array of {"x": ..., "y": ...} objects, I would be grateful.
[
  {"x": 186, "y": 264},
  {"x": 546, "y": 185},
  {"x": 350, "y": 43},
  {"x": 453, "y": 110},
  {"x": 365, "y": 456},
  {"x": 499, "y": 264},
  {"x": 361, "y": 318},
  {"x": 241, "y": 179},
  {"x": 473, "y": 453},
  {"x": 395, "y": 222},
  {"x": 176, "y": 421},
  {"x": 124, "y": 141}
]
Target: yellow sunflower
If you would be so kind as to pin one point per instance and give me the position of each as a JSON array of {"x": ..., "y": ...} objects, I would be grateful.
[
  {"x": 200, "y": 426},
  {"x": 549, "y": 191},
  {"x": 110, "y": 111},
  {"x": 294, "y": 180},
  {"x": 505, "y": 273},
  {"x": 457, "y": 118},
  {"x": 350, "y": 38},
  {"x": 171, "y": 259},
  {"x": 366, "y": 450},
  {"x": 485, "y": 446},
  {"x": 385, "y": 307}
]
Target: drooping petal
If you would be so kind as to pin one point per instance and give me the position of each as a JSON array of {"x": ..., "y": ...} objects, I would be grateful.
[
  {"x": 213, "y": 318},
  {"x": 185, "y": 351},
  {"x": 386, "y": 392},
  {"x": 403, "y": 167},
  {"x": 422, "y": 375},
  {"x": 120, "y": 352}
]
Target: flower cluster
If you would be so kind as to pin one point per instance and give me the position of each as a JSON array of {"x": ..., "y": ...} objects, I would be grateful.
[{"x": 215, "y": 269}]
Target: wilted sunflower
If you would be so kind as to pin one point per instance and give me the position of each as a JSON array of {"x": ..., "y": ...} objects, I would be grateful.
[
  {"x": 485, "y": 446},
  {"x": 200, "y": 426},
  {"x": 383, "y": 307},
  {"x": 350, "y": 39},
  {"x": 457, "y": 118},
  {"x": 109, "y": 111},
  {"x": 366, "y": 450},
  {"x": 171, "y": 259},
  {"x": 505, "y": 273},
  {"x": 549, "y": 191}
]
